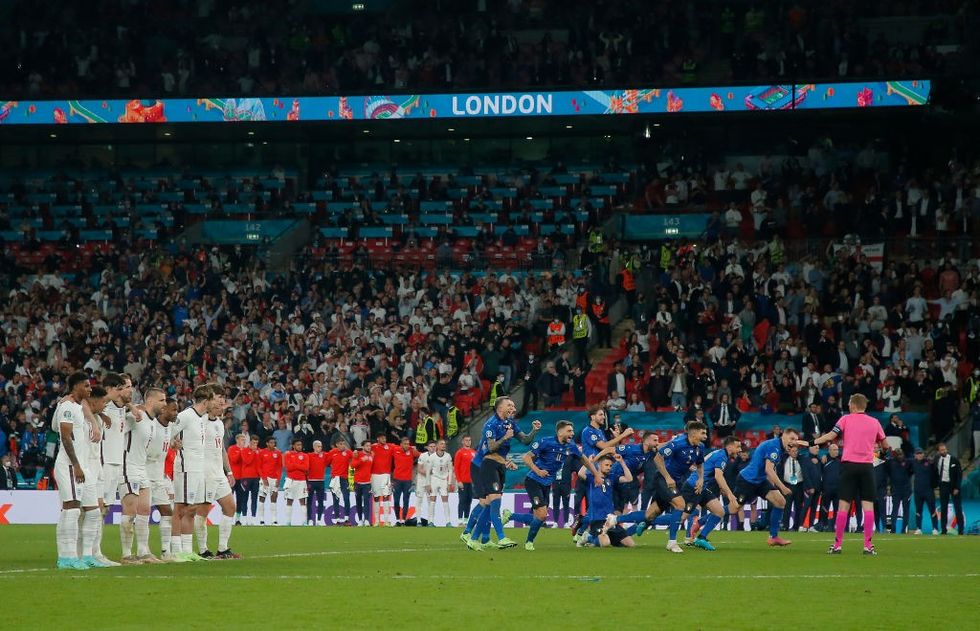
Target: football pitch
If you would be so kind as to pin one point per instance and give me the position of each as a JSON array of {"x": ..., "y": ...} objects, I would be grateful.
[{"x": 426, "y": 578}]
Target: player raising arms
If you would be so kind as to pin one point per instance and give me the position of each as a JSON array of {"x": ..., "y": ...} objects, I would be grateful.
[
  {"x": 499, "y": 429},
  {"x": 69, "y": 468},
  {"x": 593, "y": 441},
  {"x": 860, "y": 434},
  {"x": 189, "y": 429},
  {"x": 134, "y": 486},
  {"x": 715, "y": 486},
  {"x": 545, "y": 459},
  {"x": 218, "y": 480},
  {"x": 760, "y": 478},
  {"x": 161, "y": 412}
]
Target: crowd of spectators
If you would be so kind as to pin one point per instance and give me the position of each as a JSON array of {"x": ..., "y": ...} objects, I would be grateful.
[
  {"x": 215, "y": 47},
  {"x": 320, "y": 349}
]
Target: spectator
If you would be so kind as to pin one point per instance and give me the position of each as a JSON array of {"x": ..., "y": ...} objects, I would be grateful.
[
  {"x": 550, "y": 386},
  {"x": 724, "y": 417},
  {"x": 8, "y": 476}
]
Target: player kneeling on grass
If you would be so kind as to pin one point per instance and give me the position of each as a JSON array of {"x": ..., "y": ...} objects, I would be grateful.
[
  {"x": 715, "y": 486},
  {"x": 604, "y": 531},
  {"x": 545, "y": 459},
  {"x": 297, "y": 472}
]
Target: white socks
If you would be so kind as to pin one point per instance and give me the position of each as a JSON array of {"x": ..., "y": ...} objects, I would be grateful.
[
  {"x": 166, "y": 528},
  {"x": 224, "y": 532},
  {"x": 431, "y": 510},
  {"x": 90, "y": 530},
  {"x": 126, "y": 530},
  {"x": 66, "y": 533},
  {"x": 261, "y": 510},
  {"x": 97, "y": 546},
  {"x": 187, "y": 543},
  {"x": 445, "y": 510},
  {"x": 201, "y": 530},
  {"x": 273, "y": 507},
  {"x": 142, "y": 535}
]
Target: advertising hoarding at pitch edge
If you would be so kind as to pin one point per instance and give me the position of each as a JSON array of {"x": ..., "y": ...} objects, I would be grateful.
[
  {"x": 42, "y": 508},
  {"x": 717, "y": 99}
]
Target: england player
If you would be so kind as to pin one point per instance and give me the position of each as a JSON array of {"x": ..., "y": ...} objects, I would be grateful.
[
  {"x": 761, "y": 478},
  {"x": 161, "y": 488},
  {"x": 604, "y": 531},
  {"x": 441, "y": 481},
  {"x": 297, "y": 466},
  {"x": 270, "y": 468},
  {"x": 69, "y": 468},
  {"x": 134, "y": 485},
  {"x": 93, "y": 506},
  {"x": 422, "y": 473},
  {"x": 715, "y": 486},
  {"x": 674, "y": 462},
  {"x": 545, "y": 459},
  {"x": 492, "y": 454},
  {"x": 189, "y": 489},
  {"x": 593, "y": 441},
  {"x": 218, "y": 480},
  {"x": 119, "y": 389},
  {"x": 381, "y": 489}
]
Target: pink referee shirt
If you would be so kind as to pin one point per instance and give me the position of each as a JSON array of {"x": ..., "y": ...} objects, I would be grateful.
[{"x": 860, "y": 433}]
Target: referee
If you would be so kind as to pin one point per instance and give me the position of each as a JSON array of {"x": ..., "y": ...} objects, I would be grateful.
[{"x": 860, "y": 434}]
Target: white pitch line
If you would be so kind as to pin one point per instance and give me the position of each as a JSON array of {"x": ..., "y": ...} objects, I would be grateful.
[{"x": 499, "y": 577}]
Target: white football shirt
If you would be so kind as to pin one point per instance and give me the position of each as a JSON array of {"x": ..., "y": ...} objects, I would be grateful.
[{"x": 189, "y": 428}]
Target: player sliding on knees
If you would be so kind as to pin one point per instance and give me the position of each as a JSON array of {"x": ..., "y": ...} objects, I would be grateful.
[
  {"x": 715, "y": 486},
  {"x": 604, "y": 530},
  {"x": 545, "y": 459}
]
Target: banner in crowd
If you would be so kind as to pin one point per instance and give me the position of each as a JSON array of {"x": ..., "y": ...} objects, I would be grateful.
[
  {"x": 874, "y": 251},
  {"x": 43, "y": 507},
  {"x": 716, "y": 99}
]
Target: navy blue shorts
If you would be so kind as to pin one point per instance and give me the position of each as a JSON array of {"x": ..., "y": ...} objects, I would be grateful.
[
  {"x": 492, "y": 476},
  {"x": 538, "y": 493},
  {"x": 746, "y": 491},
  {"x": 663, "y": 494},
  {"x": 475, "y": 476},
  {"x": 709, "y": 491},
  {"x": 616, "y": 534}
]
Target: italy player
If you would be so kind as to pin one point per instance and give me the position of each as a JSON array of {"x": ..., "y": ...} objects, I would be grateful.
[
  {"x": 715, "y": 486},
  {"x": 545, "y": 459},
  {"x": 69, "y": 468},
  {"x": 674, "y": 462},
  {"x": 604, "y": 531},
  {"x": 189, "y": 429},
  {"x": 761, "y": 478},
  {"x": 498, "y": 431},
  {"x": 593, "y": 441},
  {"x": 218, "y": 480},
  {"x": 134, "y": 486}
]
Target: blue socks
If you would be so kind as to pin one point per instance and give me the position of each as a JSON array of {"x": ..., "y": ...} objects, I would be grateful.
[
  {"x": 474, "y": 517},
  {"x": 482, "y": 528},
  {"x": 775, "y": 516},
  {"x": 535, "y": 527},
  {"x": 632, "y": 518},
  {"x": 710, "y": 522},
  {"x": 674, "y": 526},
  {"x": 498, "y": 525},
  {"x": 523, "y": 518}
]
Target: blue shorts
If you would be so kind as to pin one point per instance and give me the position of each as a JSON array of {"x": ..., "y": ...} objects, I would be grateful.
[
  {"x": 475, "y": 476},
  {"x": 623, "y": 494},
  {"x": 492, "y": 476},
  {"x": 663, "y": 494}
]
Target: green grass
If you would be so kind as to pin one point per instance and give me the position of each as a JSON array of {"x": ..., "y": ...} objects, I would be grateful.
[{"x": 413, "y": 577}]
